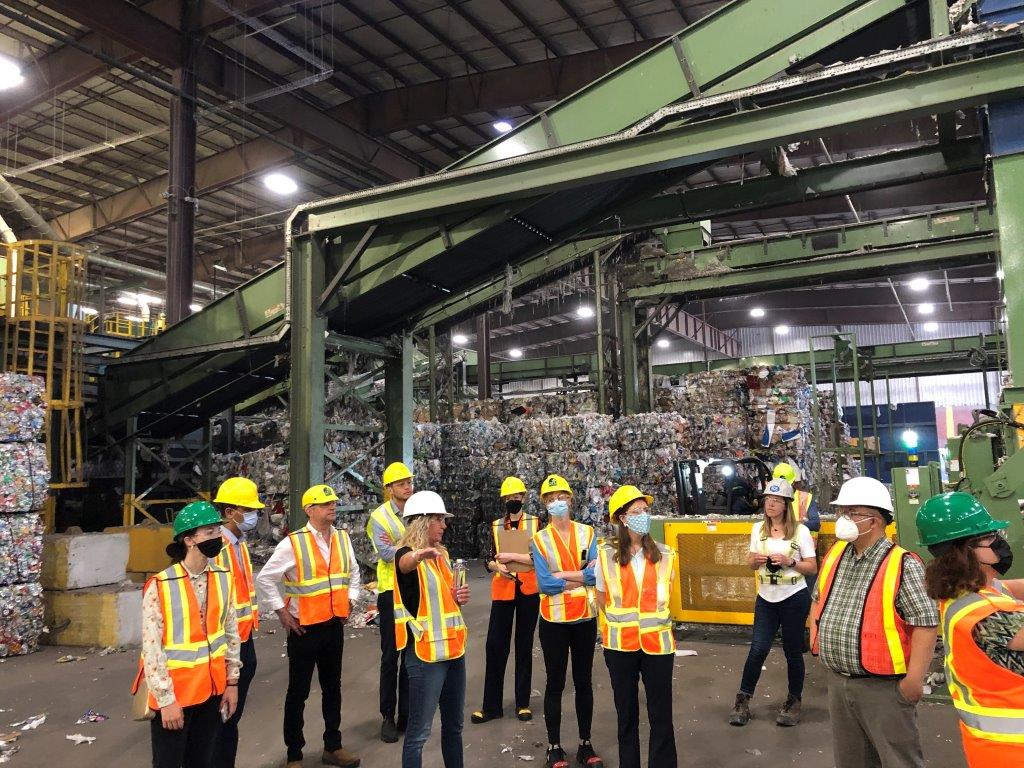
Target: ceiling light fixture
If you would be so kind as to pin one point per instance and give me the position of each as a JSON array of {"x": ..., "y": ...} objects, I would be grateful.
[
  {"x": 782, "y": 330},
  {"x": 134, "y": 319},
  {"x": 663, "y": 343},
  {"x": 88, "y": 310},
  {"x": 515, "y": 352},
  {"x": 502, "y": 126},
  {"x": 1000, "y": 274},
  {"x": 459, "y": 338},
  {"x": 195, "y": 307},
  {"x": 280, "y": 184},
  {"x": 10, "y": 74},
  {"x": 925, "y": 309},
  {"x": 220, "y": 267},
  {"x": 584, "y": 311},
  {"x": 757, "y": 312},
  {"x": 931, "y": 326},
  {"x": 919, "y": 284}
]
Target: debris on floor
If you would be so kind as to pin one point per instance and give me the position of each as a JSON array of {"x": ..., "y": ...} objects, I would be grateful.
[
  {"x": 80, "y": 739},
  {"x": 91, "y": 716},
  {"x": 30, "y": 723}
]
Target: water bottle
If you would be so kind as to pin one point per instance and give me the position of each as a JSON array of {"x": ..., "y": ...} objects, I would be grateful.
[{"x": 459, "y": 573}]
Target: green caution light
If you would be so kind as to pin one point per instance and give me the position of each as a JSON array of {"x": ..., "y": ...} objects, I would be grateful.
[{"x": 910, "y": 440}]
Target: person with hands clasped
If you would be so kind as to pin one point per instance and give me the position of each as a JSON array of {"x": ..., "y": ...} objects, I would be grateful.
[
  {"x": 782, "y": 553},
  {"x": 634, "y": 585},
  {"x": 317, "y": 566},
  {"x": 190, "y": 644},
  {"x": 513, "y": 598},
  {"x": 564, "y": 557},
  {"x": 428, "y": 608}
]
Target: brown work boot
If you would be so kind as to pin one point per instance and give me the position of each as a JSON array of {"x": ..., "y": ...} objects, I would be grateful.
[
  {"x": 789, "y": 715},
  {"x": 741, "y": 710},
  {"x": 341, "y": 758}
]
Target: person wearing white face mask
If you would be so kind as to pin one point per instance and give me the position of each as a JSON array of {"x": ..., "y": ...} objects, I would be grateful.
[
  {"x": 239, "y": 503},
  {"x": 634, "y": 584},
  {"x": 564, "y": 556},
  {"x": 874, "y": 630}
]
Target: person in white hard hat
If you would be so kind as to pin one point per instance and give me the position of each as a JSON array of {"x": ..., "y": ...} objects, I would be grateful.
[
  {"x": 874, "y": 630},
  {"x": 782, "y": 553}
]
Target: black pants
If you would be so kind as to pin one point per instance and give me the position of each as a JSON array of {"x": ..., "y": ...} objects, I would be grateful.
[
  {"x": 625, "y": 670},
  {"x": 227, "y": 743},
  {"x": 320, "y": 646},
  {"x": 791, "y": 615},
  {"x": 559, "y": 642},
  {"x": 193, "y": 745},
  {"x": 392, "y": 663},
  {"x": 523, "y": 609}
]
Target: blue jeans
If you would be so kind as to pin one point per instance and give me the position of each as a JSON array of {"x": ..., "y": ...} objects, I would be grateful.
[
  {"x": 431, "y": 684},
  {"x": 791, "y": 614}
]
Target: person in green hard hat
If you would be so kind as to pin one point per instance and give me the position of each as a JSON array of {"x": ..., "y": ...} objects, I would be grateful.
[
  {"x": 189, "y": 618},
  {"x": 982, "y": 625}
]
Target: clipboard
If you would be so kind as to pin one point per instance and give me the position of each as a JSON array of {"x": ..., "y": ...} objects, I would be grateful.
[{"x": 516, "y": 541}]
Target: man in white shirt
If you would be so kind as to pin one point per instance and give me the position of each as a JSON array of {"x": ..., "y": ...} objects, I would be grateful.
[{"x": 320, "y": 575}]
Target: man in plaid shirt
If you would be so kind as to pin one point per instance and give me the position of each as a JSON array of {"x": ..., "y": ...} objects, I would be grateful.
[{"x": 872, "y": 699}]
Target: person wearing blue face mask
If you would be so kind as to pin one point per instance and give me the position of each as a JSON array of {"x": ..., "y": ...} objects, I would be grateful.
[
  {"x": 564, "y": 556},
  {"x": 239, "y": 503},
  {"x": 634, "y": 585}
]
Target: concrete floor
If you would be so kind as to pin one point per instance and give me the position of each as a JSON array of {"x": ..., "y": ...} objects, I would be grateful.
[{"x": 704, "y": 689}]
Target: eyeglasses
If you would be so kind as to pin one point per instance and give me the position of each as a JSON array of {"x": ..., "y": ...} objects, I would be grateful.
[
  {"x": 859, "y": 515},
  {"x": 986, "y": 541}
]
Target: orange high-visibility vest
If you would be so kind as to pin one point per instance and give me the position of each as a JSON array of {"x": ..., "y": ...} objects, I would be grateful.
[
  {"x": 572, "y": 604},
  {"x": 195, "y": 650},
  {"x": 884, "y": 635},
  {"x": 320, "y": 588},
  {"x": 800, "y": 504},
  {"x": 245, "y": 587},
  {"x": 637, "y": 616},
  {"x": 988, "y": 697},
  {"x": 503, "y": 588},
  {"x": 438, "y": 629}
]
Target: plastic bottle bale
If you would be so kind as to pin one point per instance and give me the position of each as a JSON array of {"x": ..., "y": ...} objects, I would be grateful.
[
  {"x": 24, "y": 477},
  {"x": 21, "y": 619},
  {"x": 21, "y": 548},
  {"x": 22, "y": 407}
]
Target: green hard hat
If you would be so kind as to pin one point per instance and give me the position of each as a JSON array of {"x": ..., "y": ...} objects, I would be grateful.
[
  {"x": 195, "y": 515},
  {"x": 954, "y": 515}
]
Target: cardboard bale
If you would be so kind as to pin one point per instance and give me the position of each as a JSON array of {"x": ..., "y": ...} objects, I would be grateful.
[
  {"x": 76, "y": 561},
  {"x": 94, "y": 617}
]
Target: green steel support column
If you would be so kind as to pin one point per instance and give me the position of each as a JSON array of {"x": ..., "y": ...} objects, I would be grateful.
[
  {"x": 306, "y": 398},
  {"x": 602, "y": 406},
  {"x": 628, "y": 367},
  {"x": 1008, "y": 188},
  {"x": 398, "y": 400},
  {"x": 131, "y": 456},
  {"x": 642, "y": 343},
  {"x": 432, "y": 371}
]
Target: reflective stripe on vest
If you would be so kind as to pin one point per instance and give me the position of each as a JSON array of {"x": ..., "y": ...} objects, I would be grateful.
[
  {"x": 438, "y": 629},
  {"x": 245, "y": 587},
  {"x": 195, "y": 649},
  {"x": 637, "y": 616},
  {"x": 503, "y": 588},
  {"x": 387, "y": 516},
  {"x": 320, "y": 588},
  {"x": 785, "y": 575},
  {"x": 989, "y": 698},
  {"x": 572, "y": 604},
  {"x": 884, "y": 635}
]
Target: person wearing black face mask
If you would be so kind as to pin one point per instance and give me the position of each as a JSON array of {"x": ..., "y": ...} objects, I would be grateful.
[
  {"x": 983, "y": 625},
  {"x": 514, "y": 597}
]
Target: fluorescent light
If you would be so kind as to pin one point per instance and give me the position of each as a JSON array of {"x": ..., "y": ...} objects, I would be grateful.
[
  {"x": 195, "y": 307},
  {"x": 931, "y": 327},
  {"x": 925, "y": 309},
  {"x": 127, "y": 299},
  {"x": 782, "y": 330},
  {"x": 502, "y": 126},
  {"x": 134, "y": 319},
  {"x": 515, "y": 352},
  {"x": 584, "y": 311},
  {"x": 919, "y": 284},
  {"x": 144, "y": 299},
  {"x": 663, "y": 343},
  {"x": 10, "y": 75},
  {"x": 459, "y": 338},
  {"x": 1000, "y": 274},
  {"x": 88, "y": 311},
  {"x": 138, "y": 299},
  {"x": 220, "y": 267},
  {"x": 757, "y": 312},
  {"x": 280, "y": 184}
]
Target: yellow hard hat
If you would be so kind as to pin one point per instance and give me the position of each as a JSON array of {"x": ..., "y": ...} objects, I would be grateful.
[
  {"x": 394, "y": 472},
  {"x": 554, "y": 483},
  {"x": 784, "y": 471},
  {"x": 318, "y": 494},
  {"x": 239, "y": 492},
  {"x": 512, "y": 485},
  {"x": 624, "y": 496}
]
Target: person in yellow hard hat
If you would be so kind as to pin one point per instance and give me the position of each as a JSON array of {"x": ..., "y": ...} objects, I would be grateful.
[
  {"x": 239, "y": 503},
  {"x": 634, "y": 583},
  {"x": 803, "y": 507},
  {"x": 318, "y": 568},
  {"x": 513, "y": 598},
  {"x": 564, "y": 556},
  {"x": 384, "y": 529}
]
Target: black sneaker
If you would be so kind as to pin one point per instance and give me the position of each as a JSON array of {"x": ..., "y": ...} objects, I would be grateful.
[
  {"x": 587, "y": 757},
  {"x": 483, "y": 717},
  {"x": 556, "y": 758},
  {"x": 388, "y": 731}
]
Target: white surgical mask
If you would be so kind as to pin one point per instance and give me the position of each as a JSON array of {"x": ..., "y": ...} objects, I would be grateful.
[
  {"x": 847, "y": 530},
  {"x": 249, "y": 521},
  {"x": 558, "y": 508},
  {"x": 639, "y": 523}
]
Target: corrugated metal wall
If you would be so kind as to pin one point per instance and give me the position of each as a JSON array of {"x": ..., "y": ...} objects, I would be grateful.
[{"x": 966, "y": 389}]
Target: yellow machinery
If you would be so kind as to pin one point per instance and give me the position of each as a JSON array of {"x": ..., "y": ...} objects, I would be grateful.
[{"x": 127, "y": 325}]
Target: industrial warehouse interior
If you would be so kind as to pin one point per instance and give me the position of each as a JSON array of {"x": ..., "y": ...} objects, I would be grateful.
[{"x": 437, "y": 346}]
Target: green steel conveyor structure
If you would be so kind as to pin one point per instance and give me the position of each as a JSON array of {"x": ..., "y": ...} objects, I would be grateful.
[{"x": 575, "y": 181}]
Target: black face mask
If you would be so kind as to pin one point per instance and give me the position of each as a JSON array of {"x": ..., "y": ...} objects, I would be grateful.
[
  {"x": 1005, "y": 554},
  {"x": 210, "y": 547},
  {"x": 512, "y": 507}
]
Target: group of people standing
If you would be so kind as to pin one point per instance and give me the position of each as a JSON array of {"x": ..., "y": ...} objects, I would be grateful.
[{"x": 874, "y": 609}]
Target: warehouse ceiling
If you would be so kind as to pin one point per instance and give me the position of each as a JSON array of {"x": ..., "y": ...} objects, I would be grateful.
[{"x": 342, "y": 95}]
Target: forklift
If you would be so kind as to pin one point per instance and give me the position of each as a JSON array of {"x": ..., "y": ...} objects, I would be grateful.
[{"x": 721, "y": 487}]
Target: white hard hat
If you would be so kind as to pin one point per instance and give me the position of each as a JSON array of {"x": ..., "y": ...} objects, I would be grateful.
[
  {"x": 864, "y": 492},
  {"x": 779, "y": 487},
  {"x": 425, "y": 503}
]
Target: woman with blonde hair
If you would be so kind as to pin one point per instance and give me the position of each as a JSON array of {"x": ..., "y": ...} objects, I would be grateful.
[
  {"x": 428, "y": 607},
  {"x": 782, "y": 553}
]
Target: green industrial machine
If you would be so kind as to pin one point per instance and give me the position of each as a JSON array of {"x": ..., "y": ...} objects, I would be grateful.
[{"x": 912, "y": 486}]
